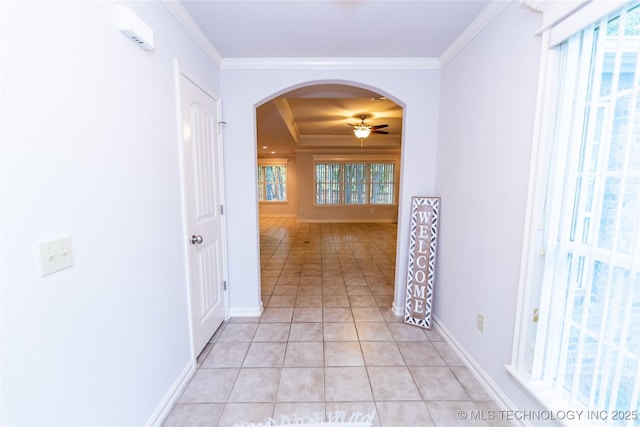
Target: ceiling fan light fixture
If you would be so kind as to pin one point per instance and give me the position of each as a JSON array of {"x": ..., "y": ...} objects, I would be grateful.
[{"x": 361, "y": 130}]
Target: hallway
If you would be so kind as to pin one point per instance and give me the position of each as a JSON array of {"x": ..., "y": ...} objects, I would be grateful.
[{"x": 328, "y": 341}]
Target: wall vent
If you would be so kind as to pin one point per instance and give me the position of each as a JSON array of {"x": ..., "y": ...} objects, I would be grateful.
[{"x": 135, "y": 28}]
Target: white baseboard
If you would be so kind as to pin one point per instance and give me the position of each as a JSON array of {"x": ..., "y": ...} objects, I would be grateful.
[
  {"x": 398, "y": 310},
  {"x": 485, "y": 380},
  {"x": 246, "y": 312},
  {"x": 163, "y": 410}
]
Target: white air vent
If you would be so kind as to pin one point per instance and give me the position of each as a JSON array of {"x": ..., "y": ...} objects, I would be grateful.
[{"x": 135, "y": 28}]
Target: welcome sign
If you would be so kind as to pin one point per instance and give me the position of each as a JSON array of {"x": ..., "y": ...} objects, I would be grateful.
[{"x": 422, "y": 260}]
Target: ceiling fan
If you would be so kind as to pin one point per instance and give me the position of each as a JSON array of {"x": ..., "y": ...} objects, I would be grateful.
[{"x": 362, "y": 130}]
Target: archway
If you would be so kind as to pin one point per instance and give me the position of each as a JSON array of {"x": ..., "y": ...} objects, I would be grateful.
[{"x": 302, "y": 129}]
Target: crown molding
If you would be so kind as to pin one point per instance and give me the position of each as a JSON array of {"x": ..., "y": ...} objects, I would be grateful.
[
  {"x": 184, "y": 18},
  {"x": 488, "y": 14},
  {"x": 330, "y": 63}
]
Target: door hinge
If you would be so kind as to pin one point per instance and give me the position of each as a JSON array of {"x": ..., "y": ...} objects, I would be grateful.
[
  {"x": 221, "y": 209},
  {"x": 225, "y": 285}
]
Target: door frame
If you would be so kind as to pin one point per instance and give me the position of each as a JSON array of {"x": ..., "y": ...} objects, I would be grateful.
[{"x": 179, "y": 72}]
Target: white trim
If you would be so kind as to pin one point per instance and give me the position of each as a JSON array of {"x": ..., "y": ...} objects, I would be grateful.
[
  {"x": 330, "y": 64},
  {"x": 246, "y": 312},
  {"x": 195, "y": 32},
  {"x": 398, "y": 310},
  {"x": 531, "y": 232},
  {"x": 164, "y": 408},
  {"x": 483, "y": 378},
  {"x": 484, "y": 18}
]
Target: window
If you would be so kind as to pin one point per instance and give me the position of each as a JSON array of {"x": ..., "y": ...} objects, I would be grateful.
[
  {"x": 586, "y": 334},
  {"x": 272, "y": 182},
  {"x": 351, "y": 183}
]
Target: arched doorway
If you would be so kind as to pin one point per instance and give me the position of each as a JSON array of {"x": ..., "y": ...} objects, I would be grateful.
[{"x": 312, "y": 169}]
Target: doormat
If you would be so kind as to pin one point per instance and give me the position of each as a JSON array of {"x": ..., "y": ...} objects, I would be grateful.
[{"x": 317, "y": 419}]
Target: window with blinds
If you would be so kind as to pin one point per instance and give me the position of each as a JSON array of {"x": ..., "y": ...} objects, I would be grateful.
[
  {"x": 350, "y": 183},
  {"x": 272, "y": 182},
  {"x": 587, "y": 339}
]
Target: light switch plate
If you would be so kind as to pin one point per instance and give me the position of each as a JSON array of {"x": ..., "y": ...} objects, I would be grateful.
[{"x": 55, "y": 255}]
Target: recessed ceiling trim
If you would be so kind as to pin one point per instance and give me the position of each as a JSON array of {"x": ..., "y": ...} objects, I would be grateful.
[
  {"x": 284, "y": 109},
  {"x": 330, "y": 63}
]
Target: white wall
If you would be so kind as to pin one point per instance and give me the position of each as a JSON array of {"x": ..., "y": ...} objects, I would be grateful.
[
  {"x": 488, "y": 97},
  {"x": 89, "y": 150},
  {"x": 416, "y": 90}
]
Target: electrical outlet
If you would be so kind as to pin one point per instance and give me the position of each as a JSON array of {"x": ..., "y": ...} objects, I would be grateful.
[
  {"x": 480, "y": 322},
  {"x": 55, "y": 255}
]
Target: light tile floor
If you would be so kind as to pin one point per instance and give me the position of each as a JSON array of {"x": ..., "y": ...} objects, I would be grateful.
[{"x": 328, "y": 341}]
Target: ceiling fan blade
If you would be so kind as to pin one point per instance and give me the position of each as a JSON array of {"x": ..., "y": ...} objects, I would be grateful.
[
  {"x": 379, "y": 126},
  {"x": 380, "y": 132}
]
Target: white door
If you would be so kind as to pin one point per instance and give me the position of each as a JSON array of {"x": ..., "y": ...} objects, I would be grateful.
[{"x": 202, "y": 157}]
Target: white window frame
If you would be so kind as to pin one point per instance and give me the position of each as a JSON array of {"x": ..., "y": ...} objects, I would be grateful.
[
  {"x": 367, "y": 161},
  {"x": 261, "y": 184},
  {"x": 561, "y": 20}
]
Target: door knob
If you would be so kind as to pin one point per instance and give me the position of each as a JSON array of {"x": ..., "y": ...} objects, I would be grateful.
[{"x": 196, "y": 239}]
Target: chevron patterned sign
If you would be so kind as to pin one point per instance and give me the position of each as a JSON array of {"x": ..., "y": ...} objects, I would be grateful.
[{"x": 422, "y": 260}]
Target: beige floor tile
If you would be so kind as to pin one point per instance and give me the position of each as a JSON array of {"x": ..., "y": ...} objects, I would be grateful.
[
  {"x": 226, "y": 355},
  {"x": 310, "y": 290},
  {"x": 420, "y": 353},
  {"x": 293, "y": 411},
  {"x": 272, "y": 332},
  {"x": 344, "y": 353},
  {"x": 265, "y": 355},
  {"x": 245, "y": 412},
  {"x": 447, "y": 353},
  {"x": 301, "y": 385},
  {"x": 367, "y": 314},
  {"x": 438, "y": 383},
  {"x": 296, "y": 360},
  {"x": 377, "y": 353},
  {"x": 307, "y": 314},
  {"x": 194, "y": 415},
  {"x": 282, "y": 301},
  {"x": 285, "y": 290},
  {"x": 392, "y": 383},
  {"x": 309, "y": 301},
  {"x": 304, "y": 354},
  {"x": 209, "y": 385},
  {"x": 306, "y": 332},
  {"x": 256, "y": 385},
  {"x": 403, "y": 414},
  {"x": 277, "y": 314},
  {"x": 470, "y": 383},
  {"x": 362, "y": 301},
  {"x": 337, "y": 314},
  {"x": 330, "y": 301},
  {"x": 340, "y": 332},
  {"x": 347, "y": 384},
  {"x": 238, "y": 332},
  {"x": 373, "y": 331}
]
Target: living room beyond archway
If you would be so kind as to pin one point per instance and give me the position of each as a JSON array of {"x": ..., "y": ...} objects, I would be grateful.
[{"x": 319, "y": 183}]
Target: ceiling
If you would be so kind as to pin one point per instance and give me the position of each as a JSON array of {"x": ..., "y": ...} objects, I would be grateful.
[{"x": 318, "y": 116}]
